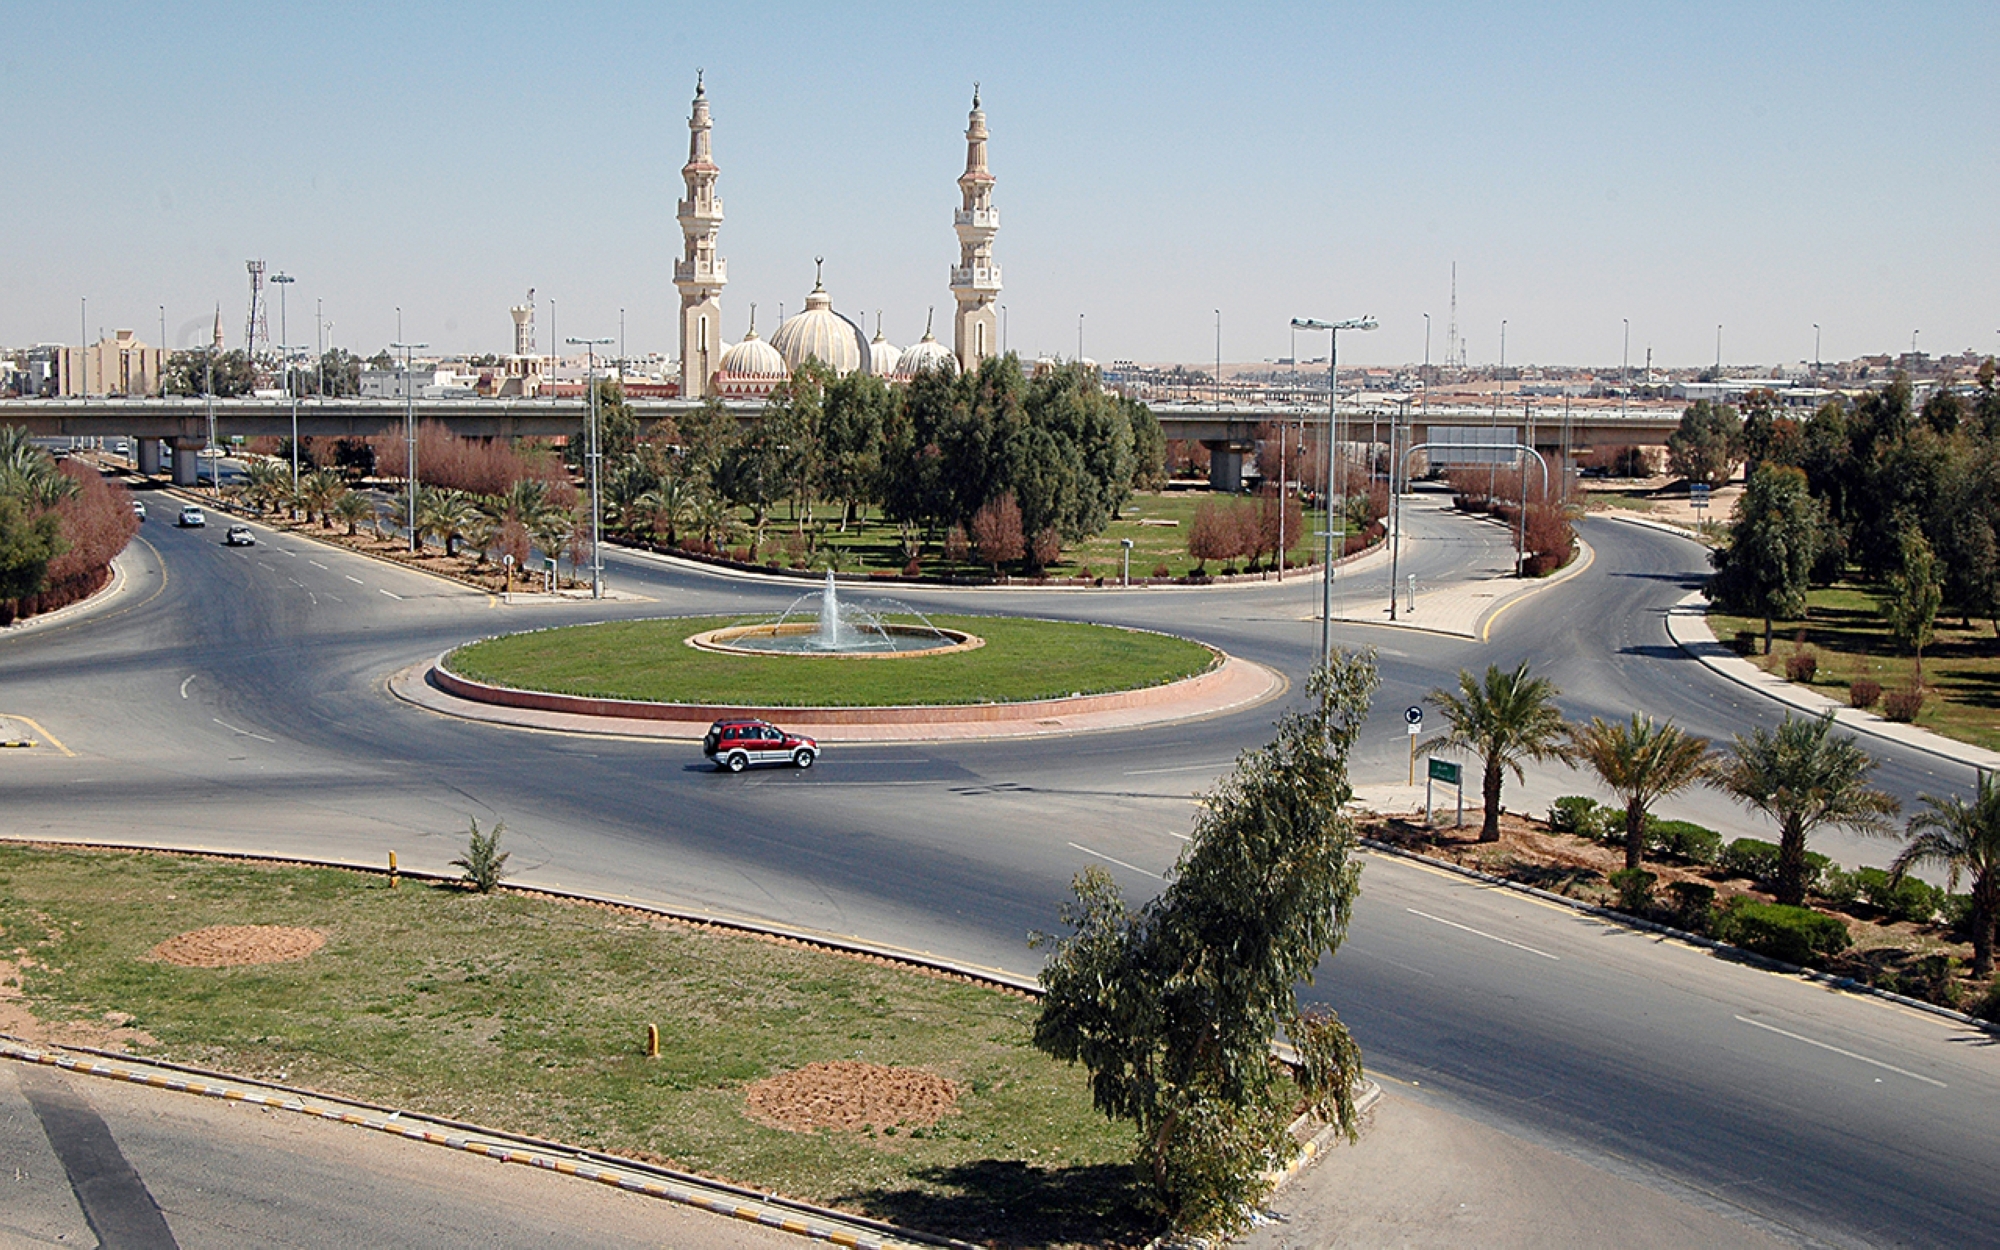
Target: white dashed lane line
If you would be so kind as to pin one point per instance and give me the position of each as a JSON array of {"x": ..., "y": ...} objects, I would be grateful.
[
  {"x": 1121, "y": 863},
  {"x": 392, "y": 594},
  {"x": 316, "y": 564},
  {"x": 1491, "y": 937},
  {"x": 1847, "y": 1054},
  {"x": 352, "y": 578}
]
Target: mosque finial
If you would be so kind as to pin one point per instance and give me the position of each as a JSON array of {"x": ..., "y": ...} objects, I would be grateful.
[
  {"x": 818, "y": 263},
  {"x": 700, "y": 90},
  {"x": 975, "y": 95},
  {"x": 753, "y": 322},
  {"x": 929, "y": 314}
]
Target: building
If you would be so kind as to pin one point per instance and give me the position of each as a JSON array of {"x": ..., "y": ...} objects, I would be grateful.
[
  {"x": 120, "y": 365},
  {"x": 708, "y": 366}
]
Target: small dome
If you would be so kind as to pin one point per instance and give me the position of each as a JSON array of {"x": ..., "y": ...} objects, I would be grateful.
[
  {"x": 753, "y": 358},
  {"x": 925, "y": 356},
  {"x": 883, "y": 356},
  {"x": 821, "y": 334}
]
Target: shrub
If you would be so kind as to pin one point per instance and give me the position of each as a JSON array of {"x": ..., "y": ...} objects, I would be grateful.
[
  {"x": 1909, "y": 899},
  {"x": 1902, "y": 706},
  {"x": 1988, "y": 1008},
  {"x": 1745, "y": 642},
  {"x": 484, "y": 862},
  {"x": 1795, "y": 935},
  {"x": 1801, "y": 665},
  {"x": 1578, "y": 814},
  {"x": 1046, "y": 548},
  {"x": 1694, "y": 904},
  {"x": 914, "y": 568},
  {"x": 1697, "y": 844},
  {"x": 1751, "y": 857},
  {"x": 1958, "y": 914},
  {"x": 1863, "y": 692},
  {"x": 956, "y": 545},
  {"x": 996, "y": 532},
  {"x": 1635, "y": 889},
  {"x": 1838, "y": 887},
  {"x": 1162, "y": 571}
]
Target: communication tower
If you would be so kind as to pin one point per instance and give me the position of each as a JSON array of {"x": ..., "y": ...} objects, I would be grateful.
[
  {"x": 1454, "y": 350},
  {"x": 257, "y": 338}
]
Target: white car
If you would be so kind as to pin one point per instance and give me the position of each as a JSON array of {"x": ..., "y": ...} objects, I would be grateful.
[
  {"x": 239, "y": 536},
  {"x": 192, "y": 518},
  {"x": 139, "y": 509}
]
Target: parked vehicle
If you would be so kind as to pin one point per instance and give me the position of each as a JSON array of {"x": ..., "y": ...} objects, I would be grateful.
[{"x": 735, "y": 745}]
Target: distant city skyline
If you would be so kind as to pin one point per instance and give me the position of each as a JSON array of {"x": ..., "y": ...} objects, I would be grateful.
[{"x": 1685, "y": 168}]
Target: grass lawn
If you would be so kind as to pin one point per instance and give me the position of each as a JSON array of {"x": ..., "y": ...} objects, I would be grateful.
[
  {"x": 529, "y": 1015},
  {"x": 1157, "y": 522},
  {"x": 1844, "y": 626},
  {"x": 649, "y": 660}
]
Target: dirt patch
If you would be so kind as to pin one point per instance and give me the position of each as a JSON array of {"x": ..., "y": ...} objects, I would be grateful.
[
  {"x": 232, "y": 945},
  {"x": 111, "y": 1032},
  {"x": 849, "y": 1095}
]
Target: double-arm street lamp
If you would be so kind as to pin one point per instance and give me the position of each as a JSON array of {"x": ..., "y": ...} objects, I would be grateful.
[
  {"x": 596, "y": 532},
  {"x": 1333, "y": 329},
  {"x": 409, "y": 428}
]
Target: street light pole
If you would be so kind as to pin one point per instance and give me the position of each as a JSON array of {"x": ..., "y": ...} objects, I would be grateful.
[
  {"x": 1333, "y": 329},
  {"x": 1815, "y": 349},
  {"x": 284, "y": 282},
  {"x": 409, "y": 430},
  {"x": 596, "y": 524}
]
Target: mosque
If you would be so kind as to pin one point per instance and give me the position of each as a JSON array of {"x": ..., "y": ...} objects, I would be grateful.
[{"x": 755, "y": 366}]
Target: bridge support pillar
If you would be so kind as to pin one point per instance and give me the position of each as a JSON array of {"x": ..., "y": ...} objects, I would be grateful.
[
  {"x": 1225, "y": 466},
  {"x": 186, "y": 464},
  {"x": 149, "y": 455}
]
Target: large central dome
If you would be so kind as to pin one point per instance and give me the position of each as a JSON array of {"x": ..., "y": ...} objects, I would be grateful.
[{"x": 821, "y": 334}]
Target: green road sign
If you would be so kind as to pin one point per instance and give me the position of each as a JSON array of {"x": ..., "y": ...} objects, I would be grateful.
[{"x": 1445, "y": 771}]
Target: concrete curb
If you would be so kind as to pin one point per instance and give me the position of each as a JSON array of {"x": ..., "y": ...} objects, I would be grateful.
[
  {"x": 1687, "y": 625},
  {"x": 766, "y": 1210},
  {"x": 1612, "y": 916}
]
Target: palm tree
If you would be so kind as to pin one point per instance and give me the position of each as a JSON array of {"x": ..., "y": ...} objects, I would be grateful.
[
  {"x": 1641, "y": 763},
  {"x": 1804, "y": 779},
  {"x": 1508, "y": 718},
  {"x": 265, "y": 484},
  {"x": 715, "y": 521},
  {"x": 1963, "y": 837},
  {"x": 352, "y": 507},
  {"x": 30, "y": 474},
  {"x": 318, "y": 490},
  {"x": 667, "y": 506}
]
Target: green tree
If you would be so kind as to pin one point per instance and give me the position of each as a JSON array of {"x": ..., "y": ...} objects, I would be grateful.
[
  {"x": 1775, "y": 534},
  {"x": 319, "y": 490},
  {"x": 1149, "y": 446},
  {"x": 352, "y": 508},
  {"x": 1506, "y": 719},
  {"x": 1641, "y": 763},
  {"x": 1962, "y": 837},
  {"x": 1708, "y": 443},
  {"x": 1916, "y": 592},
  {"x": 29, "y": 540},
  {"x": 852, "y": 426},
  {"x": 339, "y": 372},
  {"x": 187, "y": 373},
  {"x": 1804, "y": 778},
  {"x": 1174, "y": 1008}
]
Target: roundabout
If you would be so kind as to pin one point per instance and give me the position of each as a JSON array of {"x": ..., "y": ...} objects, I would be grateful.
[{"x": 981, "y": 677}]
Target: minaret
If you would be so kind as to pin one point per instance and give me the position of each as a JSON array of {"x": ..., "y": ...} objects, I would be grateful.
[
  {"x": 216, "y": 343},
  {"x": 524, "y": 325},
  {"x": 975, "y": 280},
  {"x": 700, "y": 273}
]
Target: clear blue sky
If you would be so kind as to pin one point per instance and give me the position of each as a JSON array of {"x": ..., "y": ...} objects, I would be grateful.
[{"x": 1758, "y": 166}]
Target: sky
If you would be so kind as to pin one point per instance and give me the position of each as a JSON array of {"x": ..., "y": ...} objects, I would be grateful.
[{"x": 1757, "y": 167}]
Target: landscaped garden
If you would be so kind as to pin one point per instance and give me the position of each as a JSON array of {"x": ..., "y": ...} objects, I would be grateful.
[
  {"x": 651, "y": 660},
  {"x": 909, "y": 1097}
]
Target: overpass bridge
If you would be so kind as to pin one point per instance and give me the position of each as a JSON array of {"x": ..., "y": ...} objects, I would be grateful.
[{"x": 1230, "y": 431}]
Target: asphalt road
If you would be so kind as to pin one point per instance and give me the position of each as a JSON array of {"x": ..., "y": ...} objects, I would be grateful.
[{"x": 235, "y": 699}]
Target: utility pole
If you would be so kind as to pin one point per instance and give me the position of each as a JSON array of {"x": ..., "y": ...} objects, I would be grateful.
[{"x": 409, "y": 428}]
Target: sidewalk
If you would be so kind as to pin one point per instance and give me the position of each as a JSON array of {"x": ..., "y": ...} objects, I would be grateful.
[{"x": 1687, "y": 625}]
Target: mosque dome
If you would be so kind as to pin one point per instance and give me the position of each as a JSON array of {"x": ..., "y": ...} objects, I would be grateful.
[
  {"x": 925, "y": 356},
  {"x": 883, "y": 356},
  {"x": 821, "y": 334},
  {"x": 752, "y": 367}
]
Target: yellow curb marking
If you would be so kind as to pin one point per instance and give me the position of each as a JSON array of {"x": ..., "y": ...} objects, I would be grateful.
[{"x": 45, "y": 734}]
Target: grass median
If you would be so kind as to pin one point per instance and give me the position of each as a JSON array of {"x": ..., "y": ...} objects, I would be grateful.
[
  {"x": 649, "y": 660},
  {"x": 529, "y": 1014}
]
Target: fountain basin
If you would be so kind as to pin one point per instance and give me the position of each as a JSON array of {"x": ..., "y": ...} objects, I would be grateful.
[{"x": 805, "y": 638}]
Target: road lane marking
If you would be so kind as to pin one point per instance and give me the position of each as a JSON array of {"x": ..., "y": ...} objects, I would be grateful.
[
  {"x": 392, "y": 594},
  {"x": 352, "y": 578},
  {"x": 262, "y": 565},
  {"x": 316, "y": 564},
  {"x": 246, "y": 733},
  {"x": 1491, "y": 937},
  {"x": 46, "y": 735},
  {"x": 296, "y": 582},
  {"x": 184, "y": 685},
  {"x": 1886, "y": 1067},
  {"x": 1121, "y": 863},
  {"x": 1184, "y": 768}
]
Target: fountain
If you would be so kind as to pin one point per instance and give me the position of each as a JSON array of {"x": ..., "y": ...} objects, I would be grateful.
[{"x": 837, "y": 629}]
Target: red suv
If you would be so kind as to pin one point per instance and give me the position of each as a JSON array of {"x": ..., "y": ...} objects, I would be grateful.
[{"x": 737, "y": 744}]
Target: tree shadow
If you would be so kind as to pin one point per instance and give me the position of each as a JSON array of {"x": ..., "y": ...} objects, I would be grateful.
[
  {"x": 1654, "y": 651},
  {"x": 1006, "y": 1202}
]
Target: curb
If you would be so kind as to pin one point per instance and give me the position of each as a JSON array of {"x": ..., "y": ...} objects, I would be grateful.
[
  {"x": 1710, "y": 653},
  {"x": 631, "y": 1175},
  {"x": 103, "y": 597},
  {"x": 1613, "y": 916}
]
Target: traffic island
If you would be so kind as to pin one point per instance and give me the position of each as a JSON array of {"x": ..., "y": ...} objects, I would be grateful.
[{"x": 1029, "y": 678}]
